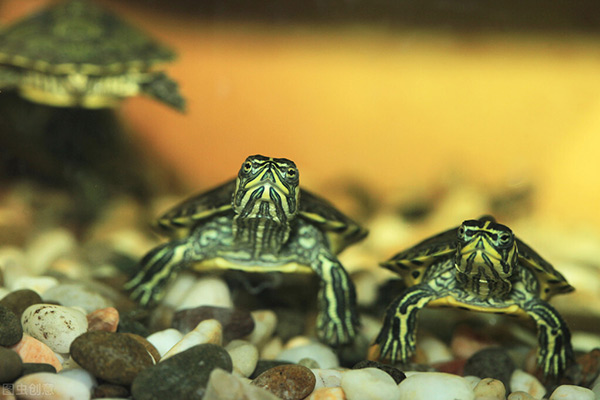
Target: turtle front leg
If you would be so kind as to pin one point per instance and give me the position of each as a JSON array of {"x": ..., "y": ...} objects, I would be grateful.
[
  {"x": 396, "y": 340},
  {"x": 158, "y": 268},
  {"x": 338, "y": 316},
  {"x": 555, "y": 352}
]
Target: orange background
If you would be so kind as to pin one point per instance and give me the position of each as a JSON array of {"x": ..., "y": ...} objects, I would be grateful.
[{"x": 392, "y": 109}]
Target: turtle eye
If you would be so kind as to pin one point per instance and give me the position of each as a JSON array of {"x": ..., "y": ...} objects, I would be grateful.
[
  {"x": 505, "y": 238},
  {"x": 247, "y": 166},
  {"x": 461, "y": 232},
  {"x": 292, "y": 173}
]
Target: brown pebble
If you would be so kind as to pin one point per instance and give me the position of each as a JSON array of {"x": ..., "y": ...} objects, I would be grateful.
[
  {"x": 103, "y": 319},
  {"x": 147, "y": 345},
  {"x": 289, "y": 382},
  {"x": 108, "y": 390}
]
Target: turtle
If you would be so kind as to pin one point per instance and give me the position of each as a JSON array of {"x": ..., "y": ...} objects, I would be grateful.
[
  {"x": 76, "y": 54},
  {"x": 259, "y": 222},
  {"x": 480, "y": 266}
]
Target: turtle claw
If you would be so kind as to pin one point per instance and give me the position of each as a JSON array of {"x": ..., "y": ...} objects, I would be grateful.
[{"x": 335, "y": 332}]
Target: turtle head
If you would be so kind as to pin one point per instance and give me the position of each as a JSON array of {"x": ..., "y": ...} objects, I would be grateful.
[
  {"x": 267, "y": 188},
  {"x": 486, "y": 257}
]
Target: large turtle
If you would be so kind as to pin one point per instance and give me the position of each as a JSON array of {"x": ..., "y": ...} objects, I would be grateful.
[
  {"x": 479, "y": 266},
  {"x": 260, "y": 222},
  {"x": 76, "y": 54}
]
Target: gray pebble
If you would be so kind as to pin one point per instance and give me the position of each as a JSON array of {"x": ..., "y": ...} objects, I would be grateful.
[
  {"x": 10, "y": 327},
  {"x": 11, "y": 365},
  {"x": 492, "y": 362}
]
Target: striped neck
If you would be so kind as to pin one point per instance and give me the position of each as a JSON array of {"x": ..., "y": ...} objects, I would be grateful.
[{"x": 260, "y": 235}]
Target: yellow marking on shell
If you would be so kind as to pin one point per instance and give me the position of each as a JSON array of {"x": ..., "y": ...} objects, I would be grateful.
[
  {"x": 450, "y": 301},
  {"x": 220, "y": 263}
]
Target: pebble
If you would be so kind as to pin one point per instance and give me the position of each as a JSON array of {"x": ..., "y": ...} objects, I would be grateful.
[
  {"x": 524, "y": 382},
  {"x": 308, "y": 363},
  {"x": 263, "y": 365},
  {"x": 236, "y": 323},
  {"x": 491, "y": 362},
  {"x": 183, "y": 376},
  {"x": 327, "y": 377},
  {"x": 224, "y": 386},
  {"x": 80, "y": 375},
  {"x": 590, "y": 368},
  {"x": 369, "y": 383},
  {"x": 76, "y": 294},
  {"x": 32, "y": 350},
  {"x": 113, "y": 357},
  {"x": 434, "y": 349},
  {"x": 394, "y": 372},
  {"x": 103, "y": 319},
  {"x": 38, "y": 284},
  {"x": 10, "y": 327},
  {"x": 209, "y": 331},
  {"x": 490, "y": 389},
  {"x": 319, "y": 352},
  {"x": 244, "y": 356},
  {"x": 147, "y": 345},
  {"x": 46, "y": 386},
  {"x": 48, "y": 247},
  {"x": 32, "y": 368},
  {"x": 520, "y": 395},
  {"x": 176, "y": 291},
  {"x": 265, "y": 322},
  {"x": 271, "y": 349},
  {"x": 164, "y": 340},
  {"x": 17, "y": 301},
  {"x": 571, "y": 392},
  {"x": 207, "y": 291},
  {"x": 56, "y": 326},
  {"x": 289, "y": 382},
  {"x": 11, "y": 365},
  {"x": 435, "y": 385},
  {"x": 328, "y": 393},
  {"x": 109, "y": 390},
  {"x": 466, "y": 341}
]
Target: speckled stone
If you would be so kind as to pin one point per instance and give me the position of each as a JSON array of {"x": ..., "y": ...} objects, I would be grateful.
[
  {"x": 394, "y": 372},
  {"x": 182, "y": 376},
  {"x": 11, "y": 365},
  {"x": 236, "y": 323},
  {"x": 32, "y": 368},
  {"x": 19, "y": 300},
  {"x": 492, "y": 362},
  {"x": 289, "y": 382},
  {"x": 10, "y": 327},
  {"x": 56, "y": 326},
  {"x": 115, "y": 357},
  {"x": 109, "y": 390}
]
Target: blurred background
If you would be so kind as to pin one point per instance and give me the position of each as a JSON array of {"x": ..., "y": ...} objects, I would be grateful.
[{"x": 393, "y": 96}]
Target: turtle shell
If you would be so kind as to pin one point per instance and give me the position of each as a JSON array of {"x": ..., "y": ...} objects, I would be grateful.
[
  {"x": 412, "y": 263},
  {"x": 78, "y": 36},
  {"x": 341, "y": 231}
]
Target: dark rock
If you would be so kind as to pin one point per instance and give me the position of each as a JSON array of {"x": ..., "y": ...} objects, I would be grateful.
[
  {"x": 147, "y": 345},
  {"x": 492, "y": 362},
  {"x": 115, "y": 357},
  {"x": 236, "y": 323},
  {"x": 263, "y": 365},
  {"x": 32, "y": 368},
  {"x": 108, "y": 390},
  {"x": 394, "y": 372},
  {"x": 127, "y": 324},
  {"x": 289, "y": 382},
  {"x": 182, "y": 376},
  {"x": 11, "y": 365},
  {"x": 10, "y": 327},
  {"x": 19, "y": 300}
]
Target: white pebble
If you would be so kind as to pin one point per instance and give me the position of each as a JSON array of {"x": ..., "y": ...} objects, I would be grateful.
[
  {"x": 473, "y": 380},
  {"x": 46, "y": 386},
  {"x": 165, "y": 339},
  {"x": 38, "y": 284},
  {"x": 435, "y": 350},
  {"x": 265, "y": 322},
  {"x": 224, "y": 386},
  {"x": 369, "y": 383},
  {"x": 244, "y": 356},
  {"x": 208, "y": 291},
  {"x": 48, "y": 247},
  {"x": 271, "y": 349},
  {"x": 435, "y": 385},
  {"x": 76, "y": 294},
  {"x": 524, "y": 382},
  {"x": 572, "y": 392},
  {"x": 80, "y": 375},
  {"x": 327, "y": 377},
  {"x": 56, "y": 326},
  {"x": 207, "y": 331},
  {"x": 490, "y": 389},
  {"x": 176, "y": 291},
  {"x": 3, "y": 292},
  {"x": 319, "y": 352}
]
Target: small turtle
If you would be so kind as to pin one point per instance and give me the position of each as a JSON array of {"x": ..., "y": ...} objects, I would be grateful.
[
  {"x": 260, "y": 222},
  {"x": 478, "y": 266},
  {"x": 78, "y": 55}
]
